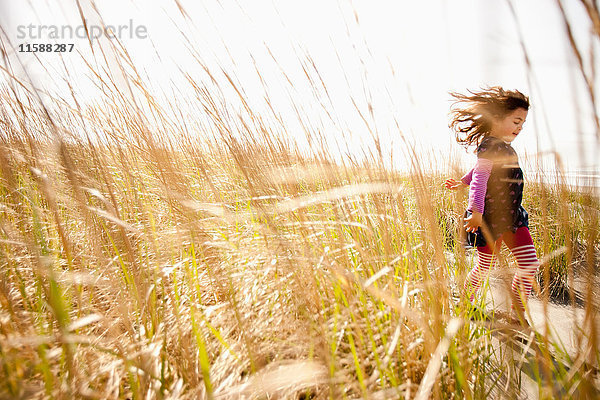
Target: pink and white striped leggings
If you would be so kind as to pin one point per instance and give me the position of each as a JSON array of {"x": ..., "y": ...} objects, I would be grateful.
[{"x": 521, "y": 246}]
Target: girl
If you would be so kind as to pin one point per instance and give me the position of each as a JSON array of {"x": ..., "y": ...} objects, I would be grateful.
[{"x": 491, "y": 119}]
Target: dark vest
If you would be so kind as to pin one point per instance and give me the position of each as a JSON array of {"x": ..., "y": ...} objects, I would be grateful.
[{"x": 503, "y": 211}]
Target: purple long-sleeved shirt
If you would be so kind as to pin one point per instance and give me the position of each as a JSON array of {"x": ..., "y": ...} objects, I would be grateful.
[
  {"x": 477, "y": 180},
  {"x": 466, "y": 179}
]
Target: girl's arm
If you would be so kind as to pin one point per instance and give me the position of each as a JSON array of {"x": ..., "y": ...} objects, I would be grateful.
[
  {"x": 453, "y": 184},
  {"x": 467, "y": 178},
  {"x": 478, "y": 188},
  {"x": 478, "y": 184}
]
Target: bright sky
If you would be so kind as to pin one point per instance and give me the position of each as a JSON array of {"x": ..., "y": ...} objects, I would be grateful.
[{"x": 402, "y": 57}]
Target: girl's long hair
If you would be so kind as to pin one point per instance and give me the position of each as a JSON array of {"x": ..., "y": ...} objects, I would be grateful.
[{"x": 472, "y": 114}]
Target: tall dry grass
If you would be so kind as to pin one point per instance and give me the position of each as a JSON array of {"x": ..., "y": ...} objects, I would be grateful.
[{"x": 143, "y": 259}]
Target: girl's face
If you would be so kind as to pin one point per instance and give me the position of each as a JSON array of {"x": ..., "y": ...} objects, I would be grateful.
[{"x": 510, "y": 126}]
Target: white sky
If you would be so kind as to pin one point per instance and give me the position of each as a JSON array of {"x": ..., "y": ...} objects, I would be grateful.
[{"x": 402, "y": 55}]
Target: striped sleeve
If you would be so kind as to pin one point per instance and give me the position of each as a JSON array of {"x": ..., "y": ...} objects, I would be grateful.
[
  {"x": 466, "y": 179},
  {"x": 481, "y": 174}
]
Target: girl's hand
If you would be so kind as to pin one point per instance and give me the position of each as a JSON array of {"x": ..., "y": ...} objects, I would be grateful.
[
  {"x": 473, "y": 222},
  {"x": 453, "y": 184}
]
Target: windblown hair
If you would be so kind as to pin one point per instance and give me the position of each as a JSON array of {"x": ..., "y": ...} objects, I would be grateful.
[{"x": 472, "y": 114}]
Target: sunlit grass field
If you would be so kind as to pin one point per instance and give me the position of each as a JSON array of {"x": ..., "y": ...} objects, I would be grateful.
[
  {"x": 147, "y": 266},
  {"x": 146, "y": 256}
]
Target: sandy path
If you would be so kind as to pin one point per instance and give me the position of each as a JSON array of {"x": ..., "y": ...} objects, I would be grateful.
[
  {"x": 565, "y": 323},
  {"x": 565, "y": 326}
]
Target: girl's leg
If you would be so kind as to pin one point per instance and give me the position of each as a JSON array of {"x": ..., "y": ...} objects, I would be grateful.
[
  {"x": 486, "y": 257},
  {"x": 521, "y": 246}
]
